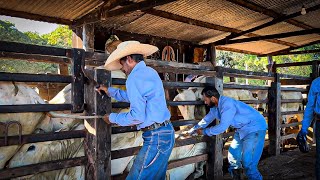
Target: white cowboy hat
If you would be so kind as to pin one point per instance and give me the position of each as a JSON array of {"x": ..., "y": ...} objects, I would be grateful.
[{"x": 127, "y": 48}]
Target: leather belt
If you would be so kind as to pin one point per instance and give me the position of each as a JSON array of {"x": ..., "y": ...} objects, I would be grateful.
[{"x": 155, "y": 126}]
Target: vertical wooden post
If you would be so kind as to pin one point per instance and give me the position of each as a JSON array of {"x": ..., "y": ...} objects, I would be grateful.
[
  {"x": 77, "y": 37},
  {"x": 88, "y": 37},
  {"x": 98, "y": 140},
  {"x": 213, "y": 55},
  {"x": 215, "y": 144},
  {"x": 315, "y": 69},
  {"x": 274, "y": 111},
  {"x": 77, "y": 97}
]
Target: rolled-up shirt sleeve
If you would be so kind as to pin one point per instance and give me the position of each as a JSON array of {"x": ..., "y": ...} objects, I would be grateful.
[
  {"x": 118, "y": 94},
  {"x": 212, "y": 115},
  {"x": 227, "y": 114},
  {"x": 136, "y": 115}
]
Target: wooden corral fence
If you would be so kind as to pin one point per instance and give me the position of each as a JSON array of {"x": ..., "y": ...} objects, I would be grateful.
[{"x": 98, "y": 142}]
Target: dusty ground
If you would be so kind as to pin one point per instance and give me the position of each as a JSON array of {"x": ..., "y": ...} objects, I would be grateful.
[{"x": 288, "y": 165}]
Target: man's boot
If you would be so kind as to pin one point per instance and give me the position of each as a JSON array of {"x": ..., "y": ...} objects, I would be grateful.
[{"x": 236, "y": 174}]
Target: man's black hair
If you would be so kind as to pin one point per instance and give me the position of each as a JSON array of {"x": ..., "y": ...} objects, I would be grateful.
[
  {"x": 136, "y": 57},
  {"x": 210, "y": 91}
]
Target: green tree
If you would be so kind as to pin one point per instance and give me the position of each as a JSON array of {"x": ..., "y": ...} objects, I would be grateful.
[{"x": 60, "y": 37}]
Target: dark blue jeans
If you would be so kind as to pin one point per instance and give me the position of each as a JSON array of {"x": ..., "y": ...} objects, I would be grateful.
[
  {"x": 152, "y": 160},
  {"x": 318, "y": 150}
]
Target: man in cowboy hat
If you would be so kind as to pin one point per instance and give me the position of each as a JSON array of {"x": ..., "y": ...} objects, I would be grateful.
[{"x": 148, "y": 109}]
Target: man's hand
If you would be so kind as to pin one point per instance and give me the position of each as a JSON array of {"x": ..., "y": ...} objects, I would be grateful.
[
  {"x": 106, "y": 118},
  {"x": 199, "y": 132},
  {"x": 102, "y": 88}
]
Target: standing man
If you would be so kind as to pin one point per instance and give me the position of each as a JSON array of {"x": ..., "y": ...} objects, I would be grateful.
[
  {"x": 250, "y": 130},
  {"x": 311, "y": 112},
  {"x": 148, "y": 109}
]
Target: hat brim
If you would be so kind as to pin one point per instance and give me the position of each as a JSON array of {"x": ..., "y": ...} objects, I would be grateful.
[{"x": 113, "y": 61}]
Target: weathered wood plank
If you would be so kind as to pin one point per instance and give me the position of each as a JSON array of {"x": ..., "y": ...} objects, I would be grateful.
[
  {"x": 188, "y": 160},
  {"x": 34, "y": 57},
  {"x": 215, "y": 143},
  {"x": 274, "y": 97},
  {"x": 31, "y": 49},
  {"x": 294, "y": 82},
  {"x": 98, "y": 140},
  {"x": 77, "y": 96},
  {"x": 306, "y": 63},
  {"x": 23, "y": 77},
  {"x": 289, "y": 136},
  {"x": 290, "y": 125},
  {"x": 33, "y": 138},
  {"x": 34, "y": 108},
  {"x": 42, "y": 167},
  {"x": 250, "y": 87}
]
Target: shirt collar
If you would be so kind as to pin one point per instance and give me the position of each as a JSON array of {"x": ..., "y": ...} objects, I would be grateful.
[{"x": 140, "y": 65}]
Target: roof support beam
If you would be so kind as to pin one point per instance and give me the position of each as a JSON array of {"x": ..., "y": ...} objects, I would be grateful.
[
  {"x": 237, "y": 50},
  {"x": 301, "y": 52},
  {"x": 36, "y": 17},
  {"x": 285, "y": 51},
  {"x": 257, "y": 8},
  {"x": 104, "y": 13},
  {"x": 270, "y": 23},
  {"x": 199, "y": 23},
  {"x": 275, "y": 36}
]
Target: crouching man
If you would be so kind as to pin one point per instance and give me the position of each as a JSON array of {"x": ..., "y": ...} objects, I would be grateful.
[{"x": 250, "y": 130}]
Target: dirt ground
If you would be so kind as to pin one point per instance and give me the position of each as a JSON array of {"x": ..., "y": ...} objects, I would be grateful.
[{"x": 291, "y": 164}]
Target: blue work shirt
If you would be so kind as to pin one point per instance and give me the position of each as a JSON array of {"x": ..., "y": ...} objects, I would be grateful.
[
  {"x": 145, "y": 93},
  {"x": 312, "y": 106},
  {"x": 236, "y": 114}
]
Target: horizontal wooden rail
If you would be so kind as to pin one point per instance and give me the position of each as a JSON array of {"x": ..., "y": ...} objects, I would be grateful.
[
  {"x": 170, "y": 103},
  {"x": 289, "y": 136},
  {"x": 23, "y": 77},
  {"x": 34, "y": 108},
  {"x": 34, "y": 57},
  {"x": 289, "y": 76},
  {"x": 116, "y": 130},
  {"x": 293, "y": 89},
  {"x": 42, "y": 167},
  {"x": 33, "y": 138},
  {"x": 121, "y": 153},
  {"x": 155, "y": 63},
  {"x": 31, "y": 49},
  {"x": 307, "y": 63},
  {"x": 250, "y": 87},
  {"x": 185, "y": 71},
  {"x": 290, "y": 125},
  {"x": 186, "y": 161},
  {"x": 246, "y": 74},
  {"x": 292, "y": 112},
  {"x": 292, "y": 100}
]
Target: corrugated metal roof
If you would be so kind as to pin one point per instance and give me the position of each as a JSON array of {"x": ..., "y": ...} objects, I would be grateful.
[{"x": 65, "y": 9}]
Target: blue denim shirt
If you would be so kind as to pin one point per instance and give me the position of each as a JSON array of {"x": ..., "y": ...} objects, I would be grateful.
[
  {"x": 145, "y": 93},
  {"x": 312, "y": 106},
  {"x": 232, "y": 113}
]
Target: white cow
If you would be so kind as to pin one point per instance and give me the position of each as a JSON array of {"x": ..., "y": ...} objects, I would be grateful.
[
  {"x": 15, "y": 94},
  {"x": 53, "y": 150}
]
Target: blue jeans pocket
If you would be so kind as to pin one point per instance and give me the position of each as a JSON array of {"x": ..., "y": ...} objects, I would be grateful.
[{"x": 165, "y": 141}]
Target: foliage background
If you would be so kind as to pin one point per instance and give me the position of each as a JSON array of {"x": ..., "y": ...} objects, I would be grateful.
[{"x": 60, "y": 37}]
